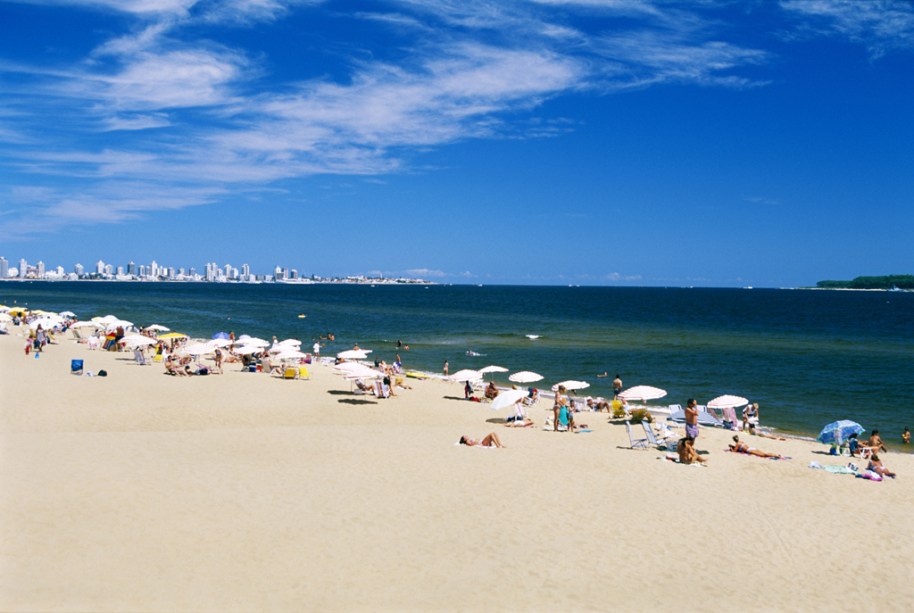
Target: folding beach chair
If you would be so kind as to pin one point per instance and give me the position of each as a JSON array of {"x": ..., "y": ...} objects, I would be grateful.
[
  {"x": 290, "y": 373},
  {"x": 649, "y": 433},
  {"x": 76, "y": 367},
  {"x": 640, "y": 443}
]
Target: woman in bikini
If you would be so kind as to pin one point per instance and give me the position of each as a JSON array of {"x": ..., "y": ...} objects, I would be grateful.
[
  {"x": 491, "y": 440},
  {"x": 876, "y": 466},
  {"x": 739, "y": 447}
]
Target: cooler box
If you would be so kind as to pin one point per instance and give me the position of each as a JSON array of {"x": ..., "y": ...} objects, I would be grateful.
[{"x": 76, "y": 367}]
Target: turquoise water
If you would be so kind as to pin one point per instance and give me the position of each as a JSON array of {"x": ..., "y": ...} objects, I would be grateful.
[{"x": 807, "y": 357}]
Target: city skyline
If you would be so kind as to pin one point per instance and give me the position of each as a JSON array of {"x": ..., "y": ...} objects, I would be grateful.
[{"x": 590, "y": 142}]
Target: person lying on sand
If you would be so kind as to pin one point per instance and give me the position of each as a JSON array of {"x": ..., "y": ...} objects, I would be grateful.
[
  {"x": 687, "y": 452},
  {"x": 522, "y": 422},
  {"x": 739, "y": 447},
  {"x": 877, "y": 467},
  {"x": 756, "y": 432},
  {"x": 491, "y": 440}
]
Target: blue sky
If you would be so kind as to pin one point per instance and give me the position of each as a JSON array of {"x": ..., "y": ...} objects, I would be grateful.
[{"x": 598, "y": 142}]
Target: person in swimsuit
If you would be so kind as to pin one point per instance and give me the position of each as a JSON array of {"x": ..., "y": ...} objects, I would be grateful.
[
  {"x": 906, "y": 436},
  {"x": 750, "y": 415},
  {"x": 875, "y": 442},
  {"x": 876, "y": 466},
  {"x": 691, "y": 418},
  {"x": 687, "y": 453},
  {"x": 490, "y": 440},
  {"x": 561, "y": 401},
  {"x": 756, "y": 432},
  {"x": 617, "y": 386},
  {"x": 739, "y": 447}
]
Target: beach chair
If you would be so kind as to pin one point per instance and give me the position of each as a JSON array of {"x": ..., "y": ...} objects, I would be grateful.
[
  {"x": 635, "y": 443},
  {"x": 303, "y": 373},
  {"x": 76, "y": 367},
  {"x": 290, "y": 373},
  {"x": 649, "y": 433}
]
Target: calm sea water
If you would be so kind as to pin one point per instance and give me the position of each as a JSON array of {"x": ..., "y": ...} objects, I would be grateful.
[{"x": 807, "y": 357}]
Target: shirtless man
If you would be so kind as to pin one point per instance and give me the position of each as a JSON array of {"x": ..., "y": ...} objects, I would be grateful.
[
  {"x": 617, "y": 386},
  {"x": 691, "y": 418},
  {"x": 687, "y": 453},
  {"x": 875, "y": 442}
]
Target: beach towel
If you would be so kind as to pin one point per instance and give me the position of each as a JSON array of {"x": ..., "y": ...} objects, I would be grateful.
[
  {"x": 675, "y": 459},
  {"x": 850, "y": 469}
]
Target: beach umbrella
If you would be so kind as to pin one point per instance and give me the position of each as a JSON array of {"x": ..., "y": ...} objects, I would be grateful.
[
  {"x": 196, "y": 349},
  {"x": 221, "y": 336},
  {"x": 466, "y": 375},
  {"x": 171, "y": 335},
  {"x": 571, "y": 385},
  {"x": 18, "y": 311},
  {"x": 5, "y": 317},
  {"x": 220, "y": 342},
  {"x": 86, "y": 324},
  {"x": 68, "y": 314},
  {"x": 525, "y": 376},
  {"x": 157, "y": 328},
  {"x": 353, "y": 354},
  {"x": 507, "y": 398},
  {"x": 493, "y": 368},
  {"x": 138, "y": 341},
  {"x": 642, "y": 393},
  {"x": 246, "y": 349},
  {"x": 839, "y": 431},
  {"x": 727, "y": 401},
  {"x": 290, "y": 354}
]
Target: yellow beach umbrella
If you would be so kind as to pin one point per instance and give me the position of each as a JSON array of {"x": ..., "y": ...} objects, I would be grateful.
[
  {"x": 18, "y": 311},
  {"x": 171, "y": 335}
]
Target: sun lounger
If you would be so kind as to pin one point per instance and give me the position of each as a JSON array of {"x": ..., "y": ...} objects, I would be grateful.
[
  {"x": 639, "y": 443},
  {"x": 290, "y": 373}
]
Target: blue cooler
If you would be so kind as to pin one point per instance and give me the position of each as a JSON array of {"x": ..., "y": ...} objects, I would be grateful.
[{"x": 76, "y": 367}]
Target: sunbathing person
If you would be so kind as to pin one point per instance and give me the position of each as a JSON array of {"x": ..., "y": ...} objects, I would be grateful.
[
  {"x": 490, "y": 440},
  {"x": 520, "y": 422},
  {"x": 687, "y": 452},
  {"x": 491, "y": 391},
  {"x": 739, "y": 447},
  {"x": 877, "y": 467},
  {"x": 756, "y": 432}
]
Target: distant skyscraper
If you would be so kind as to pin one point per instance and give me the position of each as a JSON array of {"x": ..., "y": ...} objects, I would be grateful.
[
  {"x": 23, "y": 268},
  {"x": 4, "y": 268},
  {"x": 79, "y": 269},
  {"x": 40, "y": 269},
  {"x": 131, "y": 268},
  {"x": 100, "y": 267}
]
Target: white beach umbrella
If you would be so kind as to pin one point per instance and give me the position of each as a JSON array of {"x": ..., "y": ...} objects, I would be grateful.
[
  {"x": 138, "y": 341},
  {"x": 290, "y": 354},
  {"x": 220, "y": 342},
  {"x": 466, "y": 375},
  {"x": 643, "y": 393},
  {"x": 157, "y": 328},
  {"x": 291, "y": 341},
  {"x": 345, "y": 367},
  {"x": 87, "y": 324},
  {"x": 362, "y": 372},
  {"x": 493, "y": 368},
  {"x": 727, "y": 401},
  {"x": 525, "y": 376},
  {"x": 353, "y": 354},
  {"x": 507, "y": 398},
  {"x": 246, "y": 349},
  {"x": 196, "y": 349},
  {"x": 68, "y": 314},
  {"x": 244, "y": 339},
  {"x": 571, "y": 385},
  {"x": 5, "y": 317}
]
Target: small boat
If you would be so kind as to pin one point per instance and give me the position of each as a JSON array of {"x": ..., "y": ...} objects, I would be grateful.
[
  {"x": 473, "y": 354},
  {"x": 301, "y": 315},
  {"x": 532, "y": 337}
]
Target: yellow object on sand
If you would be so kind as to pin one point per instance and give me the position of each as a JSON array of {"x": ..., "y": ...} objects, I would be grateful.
[{"x": 415, "y": 374}]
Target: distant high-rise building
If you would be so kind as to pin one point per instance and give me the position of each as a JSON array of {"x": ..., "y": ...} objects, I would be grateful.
[
  {"x": 4, "y": 268},
  {"x": 23, "y": 268},
  {"x": 120, "y": 270},
  {"x": 100, "y": 267},
  {"x": 109, "y": 269},
  {"x": 79, "y": 269},
  {"x": 39, "y": 269},
  {"x": 131, "y": 268}
]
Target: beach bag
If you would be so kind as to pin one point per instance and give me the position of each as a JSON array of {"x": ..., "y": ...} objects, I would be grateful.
[{"x": 103, "y": 373}]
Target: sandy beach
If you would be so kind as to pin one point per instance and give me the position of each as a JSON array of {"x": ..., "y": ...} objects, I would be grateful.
[{"x": 243, "y": 492}]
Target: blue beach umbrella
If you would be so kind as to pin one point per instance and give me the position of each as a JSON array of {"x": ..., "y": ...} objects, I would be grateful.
[
  {"x": 839, "y": 431},
  {"x": 221, "y": 335}
]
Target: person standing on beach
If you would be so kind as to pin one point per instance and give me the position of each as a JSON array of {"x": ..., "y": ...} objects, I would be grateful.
[
  {"x": 691, "y": 418},
  {"x": 316, "y": 350},
  {"x": 617, "y": 387},
  {"x": 906, "y": 436},
  {"x": 445, "y": 368}
]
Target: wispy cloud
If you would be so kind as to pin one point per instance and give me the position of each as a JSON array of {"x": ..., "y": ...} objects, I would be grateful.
[{"x": 879, "y": 25}]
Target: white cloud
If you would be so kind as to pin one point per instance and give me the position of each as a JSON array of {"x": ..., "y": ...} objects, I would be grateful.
[{"x": 880, "y": 25}]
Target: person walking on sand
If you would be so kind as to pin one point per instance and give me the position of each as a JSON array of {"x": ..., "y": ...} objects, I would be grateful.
[
  {"x": 617, "y": 387},
  {"x": 691, "y": 418},
  {"x": 445, "y": 368}
]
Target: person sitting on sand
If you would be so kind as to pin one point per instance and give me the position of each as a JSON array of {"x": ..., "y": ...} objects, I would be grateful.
[
  {"x": 172, "y": 367},
  {"x": 687, "y": 452},
  {"x": 756, "y": 432},
  {"x": 750, "y": 415},
  {"x": 490, "y": 440},
  {"x": 739, "y": 447},
  {"x": 876, "y": 466},
  {"x": 598, "y": 404},
  {"x": 491, "y": 391}
]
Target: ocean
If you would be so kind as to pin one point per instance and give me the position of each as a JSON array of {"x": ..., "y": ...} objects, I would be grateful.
[{"x": 807, "y": 357}]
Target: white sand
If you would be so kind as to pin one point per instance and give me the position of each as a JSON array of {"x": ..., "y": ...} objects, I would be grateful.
[{"x": 243, "y": 492}]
